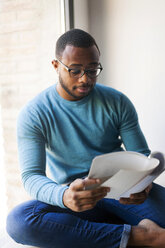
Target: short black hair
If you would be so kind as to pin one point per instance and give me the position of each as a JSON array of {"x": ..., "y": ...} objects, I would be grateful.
[{"x": 74, "y": 37}]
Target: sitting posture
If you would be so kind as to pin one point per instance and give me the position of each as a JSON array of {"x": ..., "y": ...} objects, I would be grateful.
[{"x": 64, "y": 128}]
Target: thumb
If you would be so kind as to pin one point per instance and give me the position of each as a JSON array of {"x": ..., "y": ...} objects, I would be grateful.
[
  {"x": 90, "y": 183},
  {"x": 83, "y": 184},
  {"x": 77, "y": 185}
]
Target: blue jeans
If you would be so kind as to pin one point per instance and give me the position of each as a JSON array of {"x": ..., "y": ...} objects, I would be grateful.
[{"x": 39, "y": 224}]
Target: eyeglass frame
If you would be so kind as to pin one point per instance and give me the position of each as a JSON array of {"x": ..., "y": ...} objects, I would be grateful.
[{"x": 84, "y": 71}]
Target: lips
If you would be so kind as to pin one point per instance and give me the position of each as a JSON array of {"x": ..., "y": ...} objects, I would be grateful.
[{"x": 83, "y": 89}]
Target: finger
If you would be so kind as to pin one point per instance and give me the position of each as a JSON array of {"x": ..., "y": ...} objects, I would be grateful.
[
  {"x": 97, "y": 191},
  {"x": 93, "y": 194},
  {"x": 88, "y": 195},
  {"x": 127, "y": 202},
  {"x": 138, "y": 196},
  {"x": 86, "y": 203},
  {"x": 88, "y": 182},
  {"x": 83, "y": 201},
  {"x": 85, "y": 207},
  {"x": 131, "y": 201},
  {"x": 77, "y": 185},
  {"x": 142, "y": 194},
  {"x": 135, "y": 198},
  {"x": 81, "y": 184},
  {"x": 147, "y": 190}
]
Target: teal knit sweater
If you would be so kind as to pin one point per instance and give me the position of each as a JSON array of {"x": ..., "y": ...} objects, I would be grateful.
[{"x": 67, "y": 135}]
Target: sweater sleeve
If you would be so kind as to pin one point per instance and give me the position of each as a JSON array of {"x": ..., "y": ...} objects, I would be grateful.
[
  {"x": 129, "y": 128},
  {"x": 32, "y": 157}
]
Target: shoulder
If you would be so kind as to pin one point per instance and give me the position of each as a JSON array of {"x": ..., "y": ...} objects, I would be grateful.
[
  {"x": 115, "y": 101},
  {"x": 107, "y": 90},
  {"x": 110, "y": 95},
  {"x": 41, "y": 100},
  {"x": 36, "y": 108},
  {"x": 44, "y": 98}
]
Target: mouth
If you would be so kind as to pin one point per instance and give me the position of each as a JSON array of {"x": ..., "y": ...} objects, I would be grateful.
[{"x": 85, "y": 89}]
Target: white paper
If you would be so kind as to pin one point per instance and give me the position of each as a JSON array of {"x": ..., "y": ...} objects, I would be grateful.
[{"x": 126, "y": 172}]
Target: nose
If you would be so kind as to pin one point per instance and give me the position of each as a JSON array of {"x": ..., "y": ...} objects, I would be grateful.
[{"x": 84, "y": 78}]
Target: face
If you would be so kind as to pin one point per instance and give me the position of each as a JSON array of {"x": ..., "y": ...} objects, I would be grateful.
[{"x": 71, "y": 88}]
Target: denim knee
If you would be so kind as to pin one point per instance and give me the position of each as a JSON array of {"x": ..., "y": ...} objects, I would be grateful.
[
  {"x": 12, "y": 225},
  {"x": 29, "y": 224},
  {"x": 17, "y": 224}
]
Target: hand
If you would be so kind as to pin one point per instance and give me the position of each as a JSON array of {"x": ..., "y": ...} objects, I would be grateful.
[
  {"x": 78, "y": 199},
  {"x": 137, "y": 198}
]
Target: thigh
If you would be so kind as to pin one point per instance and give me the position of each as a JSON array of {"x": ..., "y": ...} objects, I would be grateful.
[
  {"x": 39, "y": 224},
  {"x": 98, "y": 214},
  {"x": 153, "y": 208},
  {"x": 53, "y": 213}
]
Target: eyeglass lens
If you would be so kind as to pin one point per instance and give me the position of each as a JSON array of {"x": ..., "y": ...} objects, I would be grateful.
[{"x": 92, "y": 73}]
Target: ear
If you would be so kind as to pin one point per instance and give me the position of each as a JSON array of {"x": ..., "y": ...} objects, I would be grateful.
[{"x": 55, "y": 64}]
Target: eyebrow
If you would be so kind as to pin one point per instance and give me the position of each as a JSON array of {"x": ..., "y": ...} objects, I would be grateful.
[{"x": 93, "y": 63}]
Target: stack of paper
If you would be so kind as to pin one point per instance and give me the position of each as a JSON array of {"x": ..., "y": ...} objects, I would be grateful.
[{"x": 126, "y": 172}]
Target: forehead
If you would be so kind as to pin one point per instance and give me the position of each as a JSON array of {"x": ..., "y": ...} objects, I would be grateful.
[{"x": 80, "y": 55}]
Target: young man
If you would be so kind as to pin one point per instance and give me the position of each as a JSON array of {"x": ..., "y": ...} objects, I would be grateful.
[{"x": 66, "y": 126}]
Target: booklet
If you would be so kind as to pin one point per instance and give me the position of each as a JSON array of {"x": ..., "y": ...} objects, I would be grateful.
[{"x": 126, "y": 172}]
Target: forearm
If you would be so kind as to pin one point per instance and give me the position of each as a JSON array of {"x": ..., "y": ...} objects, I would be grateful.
[{"x": 44, "y": 189}]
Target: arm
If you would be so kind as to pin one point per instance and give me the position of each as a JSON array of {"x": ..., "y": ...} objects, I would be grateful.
[
  {"x": 32, "y": 156},
  {"x": 129, "y": 128},
  {"x": 133, "y": 140}
]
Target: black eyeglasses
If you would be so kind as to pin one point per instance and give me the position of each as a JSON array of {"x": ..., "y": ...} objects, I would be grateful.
[{"x": 79, "y": 72}]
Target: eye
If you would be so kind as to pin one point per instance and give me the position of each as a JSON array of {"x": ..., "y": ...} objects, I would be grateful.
[
  {"x": 93, "y": 72},
  {"x": 75, "y": 71}
]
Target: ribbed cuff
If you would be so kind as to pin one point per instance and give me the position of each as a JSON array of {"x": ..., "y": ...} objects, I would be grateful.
[
  {"x": 59, "y": 196},
  {"x": 125, "y": 236}
]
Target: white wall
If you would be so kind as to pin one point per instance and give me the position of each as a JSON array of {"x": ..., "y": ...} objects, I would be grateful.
[
  {"x": 131, "y": 37},
  {"x": 131, "y": 34}
]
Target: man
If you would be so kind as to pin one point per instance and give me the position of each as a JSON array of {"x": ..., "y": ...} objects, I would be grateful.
[{"x": 66, "y": 126}]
